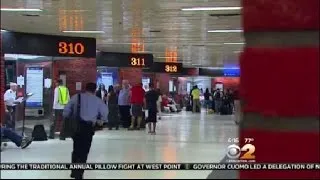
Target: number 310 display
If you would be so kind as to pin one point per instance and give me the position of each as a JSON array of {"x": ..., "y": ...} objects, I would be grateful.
[{"x": 71, "y": 48}]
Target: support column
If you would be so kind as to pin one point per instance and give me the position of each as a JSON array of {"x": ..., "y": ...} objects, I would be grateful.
[
  {"x": 2, "y": 84},
  {"x": 280, "y": 84}
]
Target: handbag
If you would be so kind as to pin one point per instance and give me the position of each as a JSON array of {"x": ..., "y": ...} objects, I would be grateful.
[
  {"x": 72, "y": 122},
  {"x": 146, "y": 113}
]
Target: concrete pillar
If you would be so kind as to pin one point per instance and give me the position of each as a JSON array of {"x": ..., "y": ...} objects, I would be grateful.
[{"x": 280, "y": 84}]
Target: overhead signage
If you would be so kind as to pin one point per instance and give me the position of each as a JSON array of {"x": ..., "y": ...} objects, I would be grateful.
[
  {"x": 71, "y": 48},
  {"x": 231, "y": 72},
  {"x": 223, "y": 72},
  {"x": 124, "y": 60},
  {"x": 167, "y": 67},
  {"x": 190, "y": 72},
  {"x": 47, "y": 45},
  {"x": 172, "y": 68}
]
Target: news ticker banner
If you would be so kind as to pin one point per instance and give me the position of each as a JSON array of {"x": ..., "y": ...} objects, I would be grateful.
[{"x": 159, "y": 166}]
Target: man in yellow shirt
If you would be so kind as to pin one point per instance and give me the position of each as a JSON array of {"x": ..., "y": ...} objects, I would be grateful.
[
  {"x": 196, "y": 99},
  {"x": 61, "y": 98}
]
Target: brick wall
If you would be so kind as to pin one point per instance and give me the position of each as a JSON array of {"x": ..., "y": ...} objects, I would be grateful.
[
  {"x": 76, "y": 70},
  {"x": 133, "y": 75},
  {"x": 163, "y": 80}
]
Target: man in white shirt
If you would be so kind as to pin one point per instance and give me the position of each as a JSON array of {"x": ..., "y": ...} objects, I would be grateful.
[
  {"x": 60, "y": 99},
  {"x": 9, "y": 100}
]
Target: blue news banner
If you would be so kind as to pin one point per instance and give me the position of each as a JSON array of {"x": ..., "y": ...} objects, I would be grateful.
[{"x": 159, "y": 166}]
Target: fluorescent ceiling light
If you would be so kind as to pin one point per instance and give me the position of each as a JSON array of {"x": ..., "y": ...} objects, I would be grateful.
[
  {"x": 211, "y": 8},
  {"x": 21, "y": 56},
  {"x": 226, "y": 31},
  {"x": 91, "y": 32},
  {"x": 20, "y": 10},
  {"x": 239, "y": 43},
  {"x": 2, "y": 30}
]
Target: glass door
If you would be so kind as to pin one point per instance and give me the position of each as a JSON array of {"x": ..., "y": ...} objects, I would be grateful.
[{"x": 33, "y": 76}]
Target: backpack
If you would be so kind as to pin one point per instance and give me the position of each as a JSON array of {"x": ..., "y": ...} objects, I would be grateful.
[
  {"x": 38, "y": 133},
  {"x": 71, "y": 123}
]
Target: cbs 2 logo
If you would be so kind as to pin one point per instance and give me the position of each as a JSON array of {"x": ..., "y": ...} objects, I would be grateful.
[{"x": 234, "y": 151}]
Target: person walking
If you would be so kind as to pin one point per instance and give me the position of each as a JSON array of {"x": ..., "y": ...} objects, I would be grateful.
[
  {"x": 196, "y": 99},
  {"x": 124, "y": 104},
  {"x": 102, "y": 93},
  {"x": 87, "y": 108},
  {"x": 159, "y": 101},
  {"x": 60, "y": 99},
  {"x": 237, "y": 107},
  {"x": 218, "y": 100},
  {"x": 137, "y": 97},
  {"x": 151, "y": 99},
  {"x": 207, "y": 100},
  {"x": 191, "y": 98},
  {"x": 19, "y": 141},
  {"x": 113, "y": 115},
  {"x": 213, "y": 106},
  {"x": 10, "y": 97}
]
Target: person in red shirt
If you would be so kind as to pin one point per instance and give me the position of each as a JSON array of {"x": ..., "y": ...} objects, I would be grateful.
[{"x": 137, "y": 97}]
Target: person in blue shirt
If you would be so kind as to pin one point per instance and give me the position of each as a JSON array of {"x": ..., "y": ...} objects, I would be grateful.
[
  {"x": 91, "y": 107},
  {"x": 124, "y": 104}
]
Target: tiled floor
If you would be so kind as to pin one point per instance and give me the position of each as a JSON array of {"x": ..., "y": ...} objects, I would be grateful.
[{"x": 183, "y": 137}]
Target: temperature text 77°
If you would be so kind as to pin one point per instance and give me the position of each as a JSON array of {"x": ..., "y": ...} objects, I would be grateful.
[{"x": 248, "y": 140}]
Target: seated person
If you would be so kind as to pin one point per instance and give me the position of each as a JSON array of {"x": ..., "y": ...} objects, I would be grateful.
[
  {"x": 172, "y": 105},
  {"x": 15, "y": 138},
  {"x": 168, "y": 104}
]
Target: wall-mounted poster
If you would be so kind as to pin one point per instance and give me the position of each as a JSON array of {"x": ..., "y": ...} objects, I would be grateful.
[
  {"x": 145, "y": 83},
  {"x": 107, "y": 79},
  {"x": 188, "y": 87},
  {"x": 219, "y": 86},
  {"x": 34, "y": 84},
  {"x": 171, "y": 86}
]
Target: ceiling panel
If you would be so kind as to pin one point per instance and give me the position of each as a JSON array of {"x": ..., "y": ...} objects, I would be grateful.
[{"x": 158, "y": 24}]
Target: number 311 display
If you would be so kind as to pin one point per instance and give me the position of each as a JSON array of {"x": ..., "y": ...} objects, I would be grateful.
[{"x": 137, "y": 62}]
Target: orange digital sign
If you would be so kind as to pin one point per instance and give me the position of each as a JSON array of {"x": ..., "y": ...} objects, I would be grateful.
[
  {"x": 137, "y": 61},
  {"x": 171, "y": 68},
  {"x": 165, "y": 67},
  {"x": 66, "y": 48}
]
